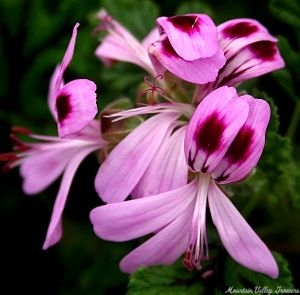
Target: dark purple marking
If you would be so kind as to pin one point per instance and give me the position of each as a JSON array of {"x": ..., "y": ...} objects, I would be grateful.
[
  {"x": 191, "y": 161},
  {"x": 239, "y": 30},
  {"x": 167, "y": 48},
  {"x": 63, "y": 107},
  {"x": 186, "y": 23},
  {"x": 264, "y": 50},
  {"x": 209, "y": 134},
  {"x": 239, "y": 149},
  {"x": 222, "y": 177}
]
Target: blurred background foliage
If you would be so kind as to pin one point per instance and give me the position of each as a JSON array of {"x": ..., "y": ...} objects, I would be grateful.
[{"x": 33, "y": 37}]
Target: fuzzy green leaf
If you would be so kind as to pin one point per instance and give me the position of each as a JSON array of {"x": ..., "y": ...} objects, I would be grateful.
[
  {"x": 136, "y": 15},
  {"x": 165, "y": 280},
  {"x": 240, "y": 280}
]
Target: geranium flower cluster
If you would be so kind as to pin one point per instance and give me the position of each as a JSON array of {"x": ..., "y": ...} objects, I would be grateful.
[{"x": 196, "y": 134}]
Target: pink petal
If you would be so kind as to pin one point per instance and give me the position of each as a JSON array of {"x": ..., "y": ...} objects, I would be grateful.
[
  {"x": 43, "y": 168},
  {"x": 212, "y": 128},
  {"x": 168, "y": 170},
  {"x": 238, "y": 33},
  {"x": 237, "y": 236},
  {"x": 53, "y": 89},
  {"x": 135, "y": 218},
  {"x": 56, "y": 81},
  {"x": 76, "y": 106},
  {"x": 247, "y": 147},
  {"x": 162, "y": 249},
  {"x": 54, "y": 232},
  {"x": 174, "y": 108},
  {"x": 128, "y": 161},
  {"x": 121, "y": 45},
  {"x": 199, "y": 71},
  {"x": 113, "y": 48},
  {"x": 152, "y": 37},
  {"x": 192, "y": 36},
  {"x": 250, "y": 62}
]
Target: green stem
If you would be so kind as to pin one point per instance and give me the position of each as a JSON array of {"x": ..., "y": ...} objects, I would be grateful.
[{"x": 292, "y": 128}]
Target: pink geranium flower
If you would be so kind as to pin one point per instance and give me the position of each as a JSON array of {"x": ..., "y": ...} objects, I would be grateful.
[
  {"x": 222, "y": 144},
  {"x": 73, "y": 106},
  {"x": 192, "y": 48}
]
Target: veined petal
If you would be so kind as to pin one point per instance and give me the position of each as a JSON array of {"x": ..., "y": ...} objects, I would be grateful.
[
  {"x": 212, "y": 128},
  {"x": 246, "y": 149},
  {"x": 178, "y": 108},
  {"x": 54, "y": 232},
  {"x": 128, "y": 161},
  {"x": 238, "y": 33},
  {"x": 152, "y": 37},
  {"x": 135, "y": 218},
  {"x": 162, "y": 249},
  {"x": 238, "y": 237},
  {"x": 168, "y": 171},
  {"x": 43, "y": 168},
  {"x": 68, "y": 55},
  {"x": 56, "y": 81},
  {"x": 76, "y": 106},
  {"x": 53, "y": 89},
  {"x": 252, "y": 61},
  {"x": 121, "y": 45},
  {"x": 113, "y": 48},
  {"x": 199, "y": 71},
  {"x": 192, "y": 36}
]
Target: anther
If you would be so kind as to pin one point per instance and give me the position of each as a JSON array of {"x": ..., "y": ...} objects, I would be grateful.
[{"x": 153, "y": 88}]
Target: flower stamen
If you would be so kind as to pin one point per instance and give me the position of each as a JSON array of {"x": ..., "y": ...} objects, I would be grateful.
[{"x": 153, "y": 88}]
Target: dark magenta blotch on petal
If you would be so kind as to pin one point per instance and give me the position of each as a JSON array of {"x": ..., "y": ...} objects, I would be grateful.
[
  {"x": 63, "y": 106},
  {"x": 209, "y": 134},
  {"x": 264, "y": 50},
  {"x": 239, "y": 149},
  {"x": 186, "y": 23},
  {"x": 239, "y": 30},
  {"x": 167, "y": 48}
]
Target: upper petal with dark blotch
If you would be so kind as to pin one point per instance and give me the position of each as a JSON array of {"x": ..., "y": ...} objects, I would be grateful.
[
  {"x": 246, "y": 149},
  {"x": 76, "y": 106},
  {"x": 238, "y": 33},
  {"x": 192, "y": 36},
  {"x": 252, "y": 61},
  {"x": 213, "y": 127},
  {"x": 199, "y": 71}
]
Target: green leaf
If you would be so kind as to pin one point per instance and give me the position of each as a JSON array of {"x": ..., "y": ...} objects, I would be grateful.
[
  {"x": 195, "y": 7},
  {"x": 287, "y": 11},
  {"x": 277, "y": 176},
  {"x": 136, "y": 15},
  {"x": 240, "y": 280},
  {"x": 164, "y": 280}
]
